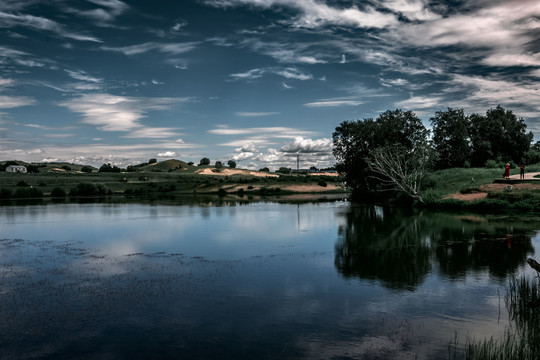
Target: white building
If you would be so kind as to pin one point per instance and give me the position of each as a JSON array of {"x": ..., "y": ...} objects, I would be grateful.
[{"x": 16, "y": 168}]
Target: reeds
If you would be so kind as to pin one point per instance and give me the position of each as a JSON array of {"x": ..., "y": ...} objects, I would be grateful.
[{"x": 521, "y": 340}]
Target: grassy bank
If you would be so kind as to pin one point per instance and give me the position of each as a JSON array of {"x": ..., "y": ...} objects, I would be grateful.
[
  {"x": 440, "y": 185},
  {"x": 158, "y": 181}
]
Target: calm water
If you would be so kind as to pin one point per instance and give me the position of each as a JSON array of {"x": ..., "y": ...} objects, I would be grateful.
[{"x": 252, "y": 281}]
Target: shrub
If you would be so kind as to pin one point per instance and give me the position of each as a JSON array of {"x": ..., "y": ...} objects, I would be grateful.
[
  {"x": 5, "y": 194},
  {"x": 23, "y": 183},
  {"x": 322, "y": 183},
  {"x": 88, "y": 189},
  {"x": 222, "y": 192},
  {"x": 58, "y": 192},
  {"x": 28, "y": 193},
  {"x": 67, "y": 168},
  {"x": 491, "y": 164},
  {"x": 86, "y": 169}
]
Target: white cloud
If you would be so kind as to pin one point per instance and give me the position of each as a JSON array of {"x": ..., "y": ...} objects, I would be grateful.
[
  {"x": 421, "y": 102},
  {"x": 82, "y": 76},
  {"x": 301, "y": 145},
  {"x": 7, "y": 102},
  {"x": 166, "y": 48},
  {"x": 334, "y": 103},
  {"x": 118, "y": 113},
  {"x": 40, "y": 23},
  {"x": 152, "y": 133},
  {"x": 255, "y": 114},
  {"x": 288, "y": 73},
  {"x": 167, "y": 154},
  {"x": 314, "y": 14}
]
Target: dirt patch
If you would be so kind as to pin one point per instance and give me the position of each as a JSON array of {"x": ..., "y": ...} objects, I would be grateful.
[
  {"x": 230, "y": 172},
  {"x": 484, "y": 189}
]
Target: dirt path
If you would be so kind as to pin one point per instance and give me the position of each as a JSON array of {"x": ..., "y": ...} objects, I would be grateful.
[{"x": 483, "y": 190}]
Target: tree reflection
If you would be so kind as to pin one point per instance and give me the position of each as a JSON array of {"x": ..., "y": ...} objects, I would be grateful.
[{"x": 399, "y": 247}]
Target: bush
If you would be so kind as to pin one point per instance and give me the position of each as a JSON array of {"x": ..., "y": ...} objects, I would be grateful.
[
  {"x": 5, "y": 194},
  {"x": 88, "y": 189},
  {"x": 86, "y": 169},
  {"x": 23, "y": 183},
  {"x": 58, "y": 192},
  {"x": 322, "y": 183},
  {"x": 28, "y": 193},
  {"x": 491, "y": 164},
  {"x": 222, "y": 192}
]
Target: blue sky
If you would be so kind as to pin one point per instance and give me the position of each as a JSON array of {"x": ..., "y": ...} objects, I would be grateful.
[{"x": 257, "y": 81}]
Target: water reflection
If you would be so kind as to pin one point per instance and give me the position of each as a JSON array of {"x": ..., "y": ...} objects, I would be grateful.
[
  {"x": 399, "y": 247},
  {"x": 249, "y": 280}
]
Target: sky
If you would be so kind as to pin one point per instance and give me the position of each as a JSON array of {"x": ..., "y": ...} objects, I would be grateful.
[{"x": 254, "y": 81}]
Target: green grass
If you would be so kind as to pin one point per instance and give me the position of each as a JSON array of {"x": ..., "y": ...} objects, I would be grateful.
[
  {"x": 171, "y": 178},
  {"x": 443, "y": 183},
  {"x": 521, "y": 340}
]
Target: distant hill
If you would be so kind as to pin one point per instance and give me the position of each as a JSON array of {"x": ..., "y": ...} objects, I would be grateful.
[
  {"x": 50, "y": 166},
  {"x": 167, "y": 165}
]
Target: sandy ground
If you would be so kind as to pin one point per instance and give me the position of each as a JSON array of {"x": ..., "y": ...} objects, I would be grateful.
[
  {"x": 229, "y": 172},
  {"x": 483, "y": 190}
]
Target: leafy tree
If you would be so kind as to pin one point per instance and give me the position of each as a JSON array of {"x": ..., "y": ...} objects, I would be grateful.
[
  {"x": 32, "y": 169},
  {"x": 533, "y": 155},
  {"x": 191, "y": 163},
  {"x": 109, "y": 168},
  {"x": 499, "y": 135},
  {"x": 66, "y": 167},
  {"x": 204, "y": 161},
  {"x": 219, "y": 165},
  {"x": 232, "y": 164},
  {"x": 87, "y": 169},
  {"x": 284, "y": 170},
  {"x": 152, "y": 161},
  {"x": 356, "y": 141},
  {"x": 265, "y": 169},
  {"x": 451, "y": 138}
]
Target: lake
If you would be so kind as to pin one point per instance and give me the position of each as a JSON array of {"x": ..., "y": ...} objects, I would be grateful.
[{"x": 252, "y": 280}]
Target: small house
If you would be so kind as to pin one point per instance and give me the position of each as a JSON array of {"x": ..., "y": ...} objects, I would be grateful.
[{"x": 16, "y": 168}]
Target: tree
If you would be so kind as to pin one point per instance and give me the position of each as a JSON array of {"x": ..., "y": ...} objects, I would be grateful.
[
  {"x": 152, "y": 161},
  {"x": 219, "y": 165},
  {"x": 451, "y": 138},
  {"x": 284, "y": 170},
  {"x": 232, "y": 164},
  {"x": 88, "y": 169},
  {"x": 400, "y": 169},
  {"x": 356, "y": 141},
  {"x": 109, "y": 168},
  {"x": 499, "y": 135},
  {"x": 204, "y": 161}
]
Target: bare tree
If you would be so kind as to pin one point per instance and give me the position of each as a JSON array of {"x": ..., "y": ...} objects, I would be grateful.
[{"x": 400, "y": 169}]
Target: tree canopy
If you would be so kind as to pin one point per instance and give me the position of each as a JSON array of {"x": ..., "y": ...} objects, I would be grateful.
[{"x": 356, "y": 141}]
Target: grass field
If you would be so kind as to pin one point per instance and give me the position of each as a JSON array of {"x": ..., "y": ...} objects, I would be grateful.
[{"x": 172, "y": 177}]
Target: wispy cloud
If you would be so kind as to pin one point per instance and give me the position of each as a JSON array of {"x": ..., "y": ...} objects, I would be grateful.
[
  {"x": 288, "y": 73},
  {"x": 167, "y": 48},
  {"x": 107, "y": 11},
  {"x": 40, "y": 23},
  {"x": 7, "y": 102},
  {"x": 315, "y": 14},
  {"x": 255, "y": 114},
  {"x": 334, "y": 103},
  {"x": 117, "y": 113},
  {"x": 82, "y": 76}
]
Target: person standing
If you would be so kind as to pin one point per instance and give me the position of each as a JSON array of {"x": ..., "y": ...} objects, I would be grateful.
[
  {"x": 522, "y": 172},
  {"x": 506, "y": 174}
]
